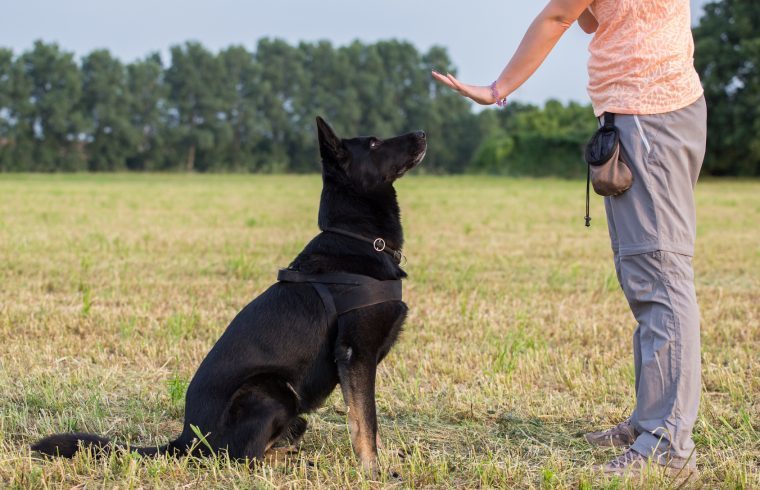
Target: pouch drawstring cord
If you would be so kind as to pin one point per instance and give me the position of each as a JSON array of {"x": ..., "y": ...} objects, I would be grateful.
[{"x": 588, "y": 181}]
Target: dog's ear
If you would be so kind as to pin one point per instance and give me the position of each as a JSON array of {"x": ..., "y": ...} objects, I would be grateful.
[{"x": 331, "y": 147}]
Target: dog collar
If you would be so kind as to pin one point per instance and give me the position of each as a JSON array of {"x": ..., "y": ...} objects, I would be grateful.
[{"x": 378, "y": 244}]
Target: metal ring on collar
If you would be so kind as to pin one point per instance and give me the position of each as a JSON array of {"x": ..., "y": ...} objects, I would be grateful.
[{"x": 379, "y": 244}]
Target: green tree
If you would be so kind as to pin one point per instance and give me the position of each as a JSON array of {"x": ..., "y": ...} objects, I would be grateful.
[
  {"x": 17, "y": 152},
  {"x": 106, "y": 106},
  {"x": 6, "y": 96},
  {"x": 728, "y": 60},
  {"x": 147, "y": 99},
  {"x": 196, "y": 124},
  {"x": 454, "y": 131},
  {"x": 328, "y": 89},
  {"x": 332, "y": 91},
  {"x": 241, "y": 111},
  {"x": 492, "y": 155},
  {"x": 375, "y": 87},
  {"x": 282, "y": 84},
  {"x": 48, "y": 86}
]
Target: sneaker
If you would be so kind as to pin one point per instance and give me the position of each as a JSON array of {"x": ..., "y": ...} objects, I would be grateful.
[
  {"x": 622, "y": 435},
  {"x": 634, "y": 464}
]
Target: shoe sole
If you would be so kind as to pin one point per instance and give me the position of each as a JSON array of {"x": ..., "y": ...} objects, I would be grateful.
[
  {"x": 605, "y": 442},
  {"x": 676, "y": 474}
]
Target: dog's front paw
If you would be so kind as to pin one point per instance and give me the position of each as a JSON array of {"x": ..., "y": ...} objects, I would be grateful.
[{"x": 371, "y": 468}]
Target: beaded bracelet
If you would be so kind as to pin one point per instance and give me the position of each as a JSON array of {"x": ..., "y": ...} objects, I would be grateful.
[{"x": 500, "y": 101}]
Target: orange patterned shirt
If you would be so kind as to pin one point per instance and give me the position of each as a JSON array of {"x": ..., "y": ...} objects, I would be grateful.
[{"x": 642, "y": 57}]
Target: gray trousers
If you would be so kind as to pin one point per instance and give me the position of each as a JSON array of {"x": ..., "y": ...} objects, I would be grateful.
[{"x": 652, "y": 228}]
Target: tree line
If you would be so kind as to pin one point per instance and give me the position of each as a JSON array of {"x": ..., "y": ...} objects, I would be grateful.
[
  {"x": 234, "y": 110},
  {"x": 253, "y": 111}
]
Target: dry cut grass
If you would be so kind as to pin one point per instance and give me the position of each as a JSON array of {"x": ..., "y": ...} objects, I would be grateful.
[{"x": 112, "y": 289}]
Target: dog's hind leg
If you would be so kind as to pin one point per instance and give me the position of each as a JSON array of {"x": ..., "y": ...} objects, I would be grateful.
[
  {"x": 287, "y": 443},
  {"x": 254, "y": 434},
  {"x": 259, "y": 416},
  {"x": 296, "y": 430},
  {"x": 293, "y": 433}
]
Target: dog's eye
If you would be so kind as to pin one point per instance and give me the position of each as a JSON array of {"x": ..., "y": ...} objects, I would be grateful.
[{"x": 374, "y": 143}]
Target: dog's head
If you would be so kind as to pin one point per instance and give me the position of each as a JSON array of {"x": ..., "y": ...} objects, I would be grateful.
[{"x": 368, "y": 163}]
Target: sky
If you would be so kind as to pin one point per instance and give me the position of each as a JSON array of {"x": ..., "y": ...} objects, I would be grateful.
[{"x": 479, "y": 35}]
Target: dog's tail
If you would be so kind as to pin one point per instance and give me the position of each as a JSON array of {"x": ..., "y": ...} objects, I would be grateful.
[{"x": 67, "y": 445}]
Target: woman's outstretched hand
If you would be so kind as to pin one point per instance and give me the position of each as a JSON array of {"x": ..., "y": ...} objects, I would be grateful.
[{"x": 481, "y": 95}]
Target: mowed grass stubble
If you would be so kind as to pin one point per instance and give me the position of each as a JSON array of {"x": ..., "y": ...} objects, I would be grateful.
[{"x": 113, "y": 288}]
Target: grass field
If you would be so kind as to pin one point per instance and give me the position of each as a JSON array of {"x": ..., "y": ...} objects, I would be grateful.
[{"x": 112, "y": 289}]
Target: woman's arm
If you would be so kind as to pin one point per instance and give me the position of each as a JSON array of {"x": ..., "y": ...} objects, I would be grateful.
[
  {"x": 541, "y": 37},
  {"x": 588, "y": 22}
]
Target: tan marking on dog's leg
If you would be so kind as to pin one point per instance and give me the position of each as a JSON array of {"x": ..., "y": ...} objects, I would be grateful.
[{"x": 357, "y": 386}]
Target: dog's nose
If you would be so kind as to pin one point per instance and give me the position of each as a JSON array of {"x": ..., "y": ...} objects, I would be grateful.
[{"x": 420, "y": 134}]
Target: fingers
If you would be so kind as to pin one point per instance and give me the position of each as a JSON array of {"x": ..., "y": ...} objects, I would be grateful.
[
  {"x": 456, "y": 83},
  {"x": 469, "y": 91},
  {"x": 444, "y": 80},
  {"x": 464, "y": 89},
  {"x": 450, "y": 81}
]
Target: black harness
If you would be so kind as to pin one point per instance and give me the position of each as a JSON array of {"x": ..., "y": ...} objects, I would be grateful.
[{"x": 358, "y": 291}]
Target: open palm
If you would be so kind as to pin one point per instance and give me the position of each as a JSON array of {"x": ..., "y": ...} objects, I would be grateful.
[{"x": 480, "y": 94}]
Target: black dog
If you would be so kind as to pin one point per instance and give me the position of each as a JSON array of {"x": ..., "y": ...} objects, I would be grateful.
[{"x": 331, "y": 319}]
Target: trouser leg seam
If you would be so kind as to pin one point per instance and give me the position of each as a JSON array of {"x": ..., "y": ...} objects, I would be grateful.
[{"x": 677, "y": 338}]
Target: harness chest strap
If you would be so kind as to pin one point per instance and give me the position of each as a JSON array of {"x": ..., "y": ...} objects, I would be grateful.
[{"x": 366, "y": 291}]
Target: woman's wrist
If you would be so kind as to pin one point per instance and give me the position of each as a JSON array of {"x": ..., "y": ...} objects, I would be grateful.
[{"x": 499, "y": 97}]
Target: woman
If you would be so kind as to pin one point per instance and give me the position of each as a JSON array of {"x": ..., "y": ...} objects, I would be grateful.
[{"x": 641, "y": 68}]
